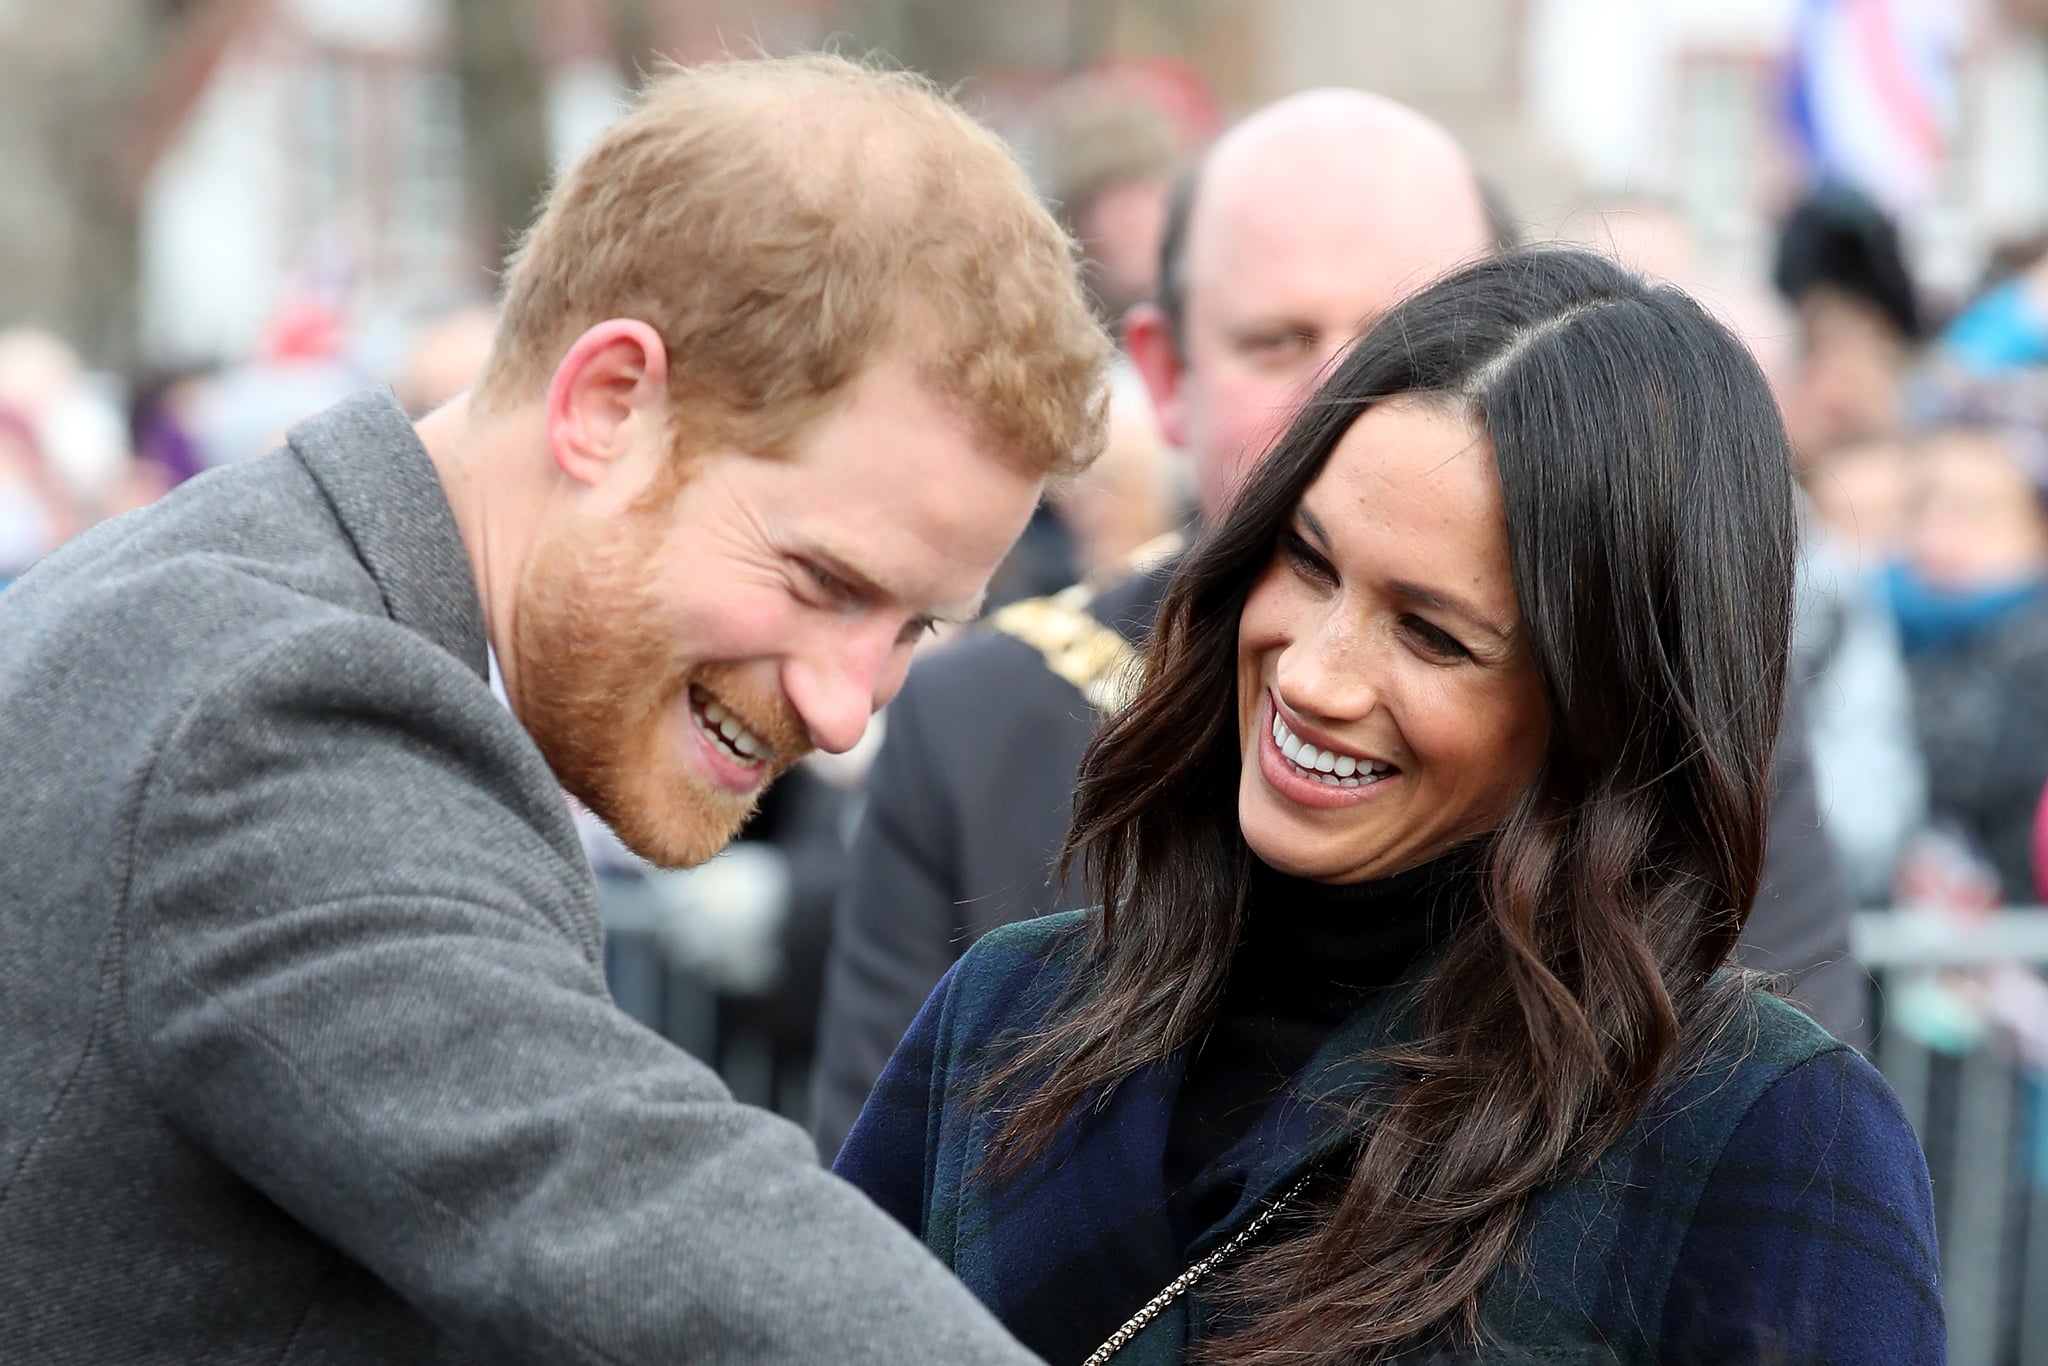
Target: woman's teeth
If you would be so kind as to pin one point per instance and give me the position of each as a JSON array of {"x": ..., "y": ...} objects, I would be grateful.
[
  {"x": 722, "y": 725},
  {"x": 1326, "y": 766}
]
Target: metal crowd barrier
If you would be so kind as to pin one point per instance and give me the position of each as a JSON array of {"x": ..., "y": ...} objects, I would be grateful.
[
  {"x": 678, "y": 945},
  {"x": 1978, "y": 1110}
]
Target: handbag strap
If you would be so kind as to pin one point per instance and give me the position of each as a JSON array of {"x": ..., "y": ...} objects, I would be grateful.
[{"x": 1178, "y": 1286}]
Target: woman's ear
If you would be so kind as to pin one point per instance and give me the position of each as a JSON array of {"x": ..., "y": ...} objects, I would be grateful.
[{"x": 612, "y": 381}]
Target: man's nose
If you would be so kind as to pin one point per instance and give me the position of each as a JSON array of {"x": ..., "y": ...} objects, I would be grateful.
[{"x": 837, "y": 692}]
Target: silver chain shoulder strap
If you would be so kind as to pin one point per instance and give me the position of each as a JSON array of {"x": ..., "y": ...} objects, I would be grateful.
[{"x": 1178, "y": 1286}]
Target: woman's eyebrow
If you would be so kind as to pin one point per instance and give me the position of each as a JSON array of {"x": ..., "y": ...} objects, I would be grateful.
[
  {"x": 1442, "y": 601},
  {"x": 1312, "y": 526},
  {"x": 1454, "y": 605}
]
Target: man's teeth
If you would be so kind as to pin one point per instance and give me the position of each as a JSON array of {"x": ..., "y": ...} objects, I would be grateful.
[
  {"x": 1326, "y": 766},
  {"x": 736, "y": 736}
]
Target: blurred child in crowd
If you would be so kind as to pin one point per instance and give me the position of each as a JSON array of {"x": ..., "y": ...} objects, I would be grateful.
[{"x": 1971, "y": 601}]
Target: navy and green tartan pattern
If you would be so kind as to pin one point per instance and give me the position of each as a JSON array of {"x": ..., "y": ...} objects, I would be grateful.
[{"x": 1770, "y": 1207}]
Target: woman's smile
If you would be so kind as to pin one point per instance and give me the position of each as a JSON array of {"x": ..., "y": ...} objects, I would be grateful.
[{"x": 1315, "y": 776}]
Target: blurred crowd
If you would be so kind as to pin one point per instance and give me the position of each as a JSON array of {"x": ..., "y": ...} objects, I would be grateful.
[
  {"x": 1920, "y": 432},
  {"x": 78, "y": 446},
  {"x": 1924, "y": 630}
]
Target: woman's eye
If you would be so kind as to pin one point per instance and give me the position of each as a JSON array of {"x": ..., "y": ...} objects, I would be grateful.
[
  {"x": 1435, "y": 640},
  {"x": 1302, "y": 557}
]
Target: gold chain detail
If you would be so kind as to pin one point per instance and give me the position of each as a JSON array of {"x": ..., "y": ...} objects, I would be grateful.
[{"x": 1075, "y": 646}]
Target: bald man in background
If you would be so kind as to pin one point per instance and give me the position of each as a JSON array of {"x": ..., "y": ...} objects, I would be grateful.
[{"x": 1296, "y": 230}]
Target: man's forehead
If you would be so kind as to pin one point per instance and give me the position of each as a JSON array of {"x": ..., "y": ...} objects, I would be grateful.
[
  {"x": 1342, "y": 246},
  {"x": 1327, "y": 215},
  {"x": 1273, "y": 272}
]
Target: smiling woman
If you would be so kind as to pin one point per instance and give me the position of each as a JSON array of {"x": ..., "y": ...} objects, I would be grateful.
[
  {"x": 1389, "y": 703},
  {"x": 1403, "y": 1029}
]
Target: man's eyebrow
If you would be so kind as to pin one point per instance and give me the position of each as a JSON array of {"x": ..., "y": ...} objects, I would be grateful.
[
  {"x": 863, "y": 585},
  {"x": 867, "y": 590},
  {"x": 1272, "y": 322}
]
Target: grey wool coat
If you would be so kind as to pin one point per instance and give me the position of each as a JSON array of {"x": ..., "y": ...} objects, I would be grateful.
[{"x": 305, "y": 1050}]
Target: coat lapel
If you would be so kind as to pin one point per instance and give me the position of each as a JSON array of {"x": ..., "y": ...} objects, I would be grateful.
[
  {"x": 1059, "y": 1249},
  {"x": 368, "y": 460}
]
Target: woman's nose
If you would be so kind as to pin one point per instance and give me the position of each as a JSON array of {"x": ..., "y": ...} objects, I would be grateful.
[{"x": 1328, "y": 673}]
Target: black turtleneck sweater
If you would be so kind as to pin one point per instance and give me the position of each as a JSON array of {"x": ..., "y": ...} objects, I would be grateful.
[{"x": 1309, "y": 955}]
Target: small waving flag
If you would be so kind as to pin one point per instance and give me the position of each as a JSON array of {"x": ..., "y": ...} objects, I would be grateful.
[{"x": 1873, "y": 94}]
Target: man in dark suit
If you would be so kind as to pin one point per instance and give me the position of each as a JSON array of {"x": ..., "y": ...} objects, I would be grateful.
[
  {"x": 1298, "y": 227},
  {"x": 305, "y": 1048}
]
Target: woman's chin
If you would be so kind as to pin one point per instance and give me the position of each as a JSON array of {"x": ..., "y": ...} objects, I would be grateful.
[
  {"x": 1296, "y": 853},
  {"x": 1281, "y": 840}
]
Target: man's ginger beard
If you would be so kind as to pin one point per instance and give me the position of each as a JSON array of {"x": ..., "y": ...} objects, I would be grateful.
[{"x": 601, "y": 682}]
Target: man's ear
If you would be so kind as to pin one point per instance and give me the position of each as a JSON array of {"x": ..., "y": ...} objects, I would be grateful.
[
  {"x": 1149, "y": 342},
  {"x": 612, "y": 380}
]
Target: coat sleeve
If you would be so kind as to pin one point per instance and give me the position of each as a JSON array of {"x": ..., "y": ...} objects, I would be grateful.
[
  {"x": 896, "y": 926},
  {"x": 361, "y": 970},
  {"x": 1814, "y": 1238}
]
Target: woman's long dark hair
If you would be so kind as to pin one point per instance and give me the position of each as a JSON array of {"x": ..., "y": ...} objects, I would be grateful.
[{"x": 1650, "y": 524}]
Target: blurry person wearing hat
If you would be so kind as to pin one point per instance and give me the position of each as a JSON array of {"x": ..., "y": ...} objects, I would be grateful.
[{"x": 1841, "y": 267}]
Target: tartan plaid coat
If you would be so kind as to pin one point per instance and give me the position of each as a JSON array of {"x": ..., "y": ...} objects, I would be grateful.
[{"x": 1772, "y": 1206}]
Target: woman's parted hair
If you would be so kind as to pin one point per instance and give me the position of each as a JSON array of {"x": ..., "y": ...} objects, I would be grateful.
[
  {"x": 783, "y": 222},
  {"x": 1650, "y": 522}
]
